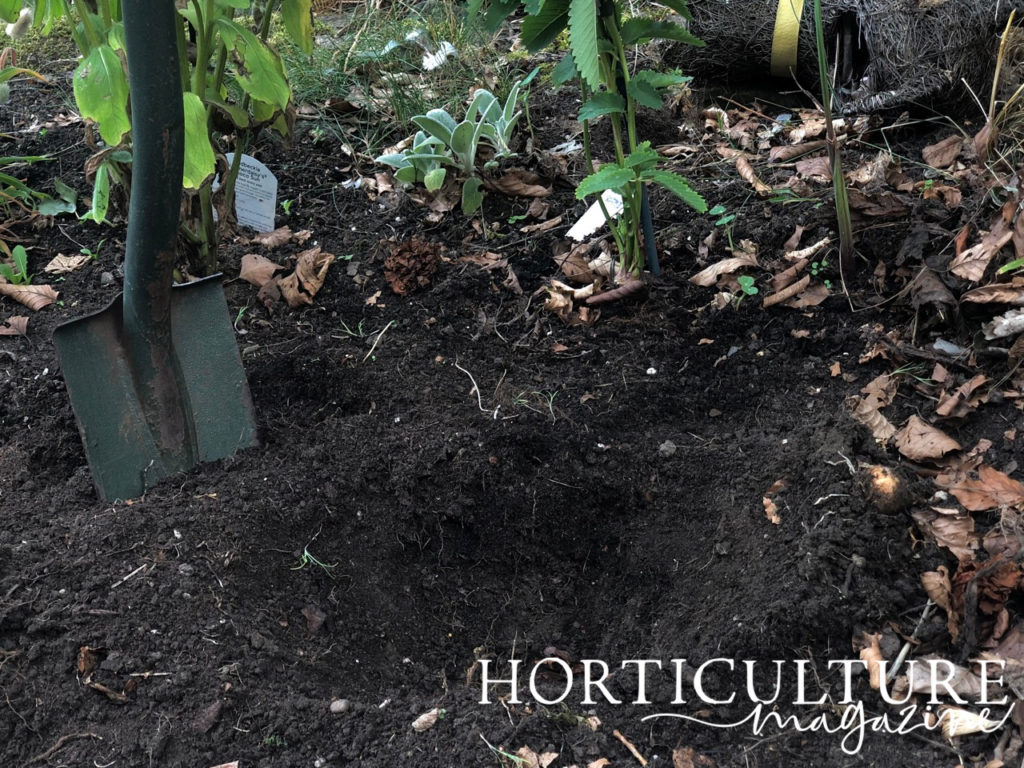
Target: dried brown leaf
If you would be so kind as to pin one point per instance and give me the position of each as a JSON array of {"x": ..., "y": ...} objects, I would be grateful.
[
  {"x": 687, "y": 757},
  {"x": 518, "y": 182},
  {"x": 871, "y": 655},
  {"x": 278, "y": 237},
  {"x": 258, "y": 270},
  {"x": 982, "y": 489},
  {"x": 35, "y": 297},
  {"x": 810, "y": 297},
  {"x": 308, "y": 278},
  {"x": 61, "y": 264},
  {"x": 786, "y": 152},
  {"x": 793, "y": 242},
  {"x": 963, "y": 400},
  {"x": 944, "y": 153},
  {"x": 709, "y": 276},
  {"x": 920, "y": 441},
  {"x": 971, "y": 263},
  {"x": 749, "y": 175},
  {"x": 814, "y": 168},
  {"x": 940, "y": 591},
  {"x": 998, "y": 293},
  {"x": 948, "y": 528},
  {"x": 14, "y": 326}
]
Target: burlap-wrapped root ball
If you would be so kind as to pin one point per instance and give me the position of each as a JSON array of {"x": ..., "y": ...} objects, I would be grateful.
[{"x": 888, "y": 53}]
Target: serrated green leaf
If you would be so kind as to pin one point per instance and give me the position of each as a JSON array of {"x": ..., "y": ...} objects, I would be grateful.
[
  {"x": 661, "y": 79},
  {"x": 609, "y": 177},
  {"x": 679, "y": 6},
  {"x": 540, "y": 30},
  {"x": 434, "y": 179},
  {"x": 679, "y": 187},
  {"x": 472, "y": 197},
  {"x": 298, "y": 23},
  {"x": 643, "y": 157},
  {"x": 644, "y": 93},
  {"x": 602, "y": 104},
  {"x": 101, "y": 93},
  {"x": 583, "y": 41},
  {"x": 200, "y": 163},
  {"x": 532, "y": 6},
  {"x": 564, "y": 71},
  {"x": 640, "y": 30}
]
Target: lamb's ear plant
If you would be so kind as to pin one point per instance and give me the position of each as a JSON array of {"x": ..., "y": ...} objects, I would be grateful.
[
  {"x": 599, "y": 37},
  {"x": 444, "y": 142}
]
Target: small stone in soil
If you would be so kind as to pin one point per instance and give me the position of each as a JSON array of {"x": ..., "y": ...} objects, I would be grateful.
[
  {"x": 340, "y": 705},
  {"x": 667, "y": 448},
  {"x": 106, "y": 278}
]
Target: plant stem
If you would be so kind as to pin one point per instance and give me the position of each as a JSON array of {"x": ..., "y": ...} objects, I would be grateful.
[{"x": 835, "y": 159}]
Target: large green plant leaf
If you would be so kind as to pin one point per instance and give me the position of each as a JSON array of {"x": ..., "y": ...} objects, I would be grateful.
[
  {"x": 472, "y": 197},
  {"x": 679, "y": 187},
  {"x": 564, "y": 71},
  {"x": 9, "y": 10},
  {"x": 540, "y": 31},
  {"x": 298, "y": 22},
  {"x": 200, "y": 163},
  {"x": 497, "y": 12},
  {"x": 260, "y": 72},
  {"x": 101, "y": 92},
  {"x": 602, "y": 104},
  {"x": 438, "y": 123},
  {"x": 583, "y": 41},
  {"x": 609, "y": 177},
  {"x": 641, "y": 30}
]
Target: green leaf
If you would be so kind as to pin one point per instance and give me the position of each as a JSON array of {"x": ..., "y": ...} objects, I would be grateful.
[
  {"x": 260, "y": 73},
  {"x": 9, "y": 10},
  {"x": 66, "y": 193},
  {"x": 438, "y": 123},
  {"x": 115, "y": 36},
  {"x": 602, "y": 104},
  {"x": 564, "y": 71},
  {"x": 200, "y": 163},
  {"x": 532, "y": 7},
  {"x": 298, "y": 22},
  {"x": 101, "y": 92},
  {"x": 609, "y": 177},
  {"x": 679, "y": 187},
  {"x": 679, "y": 6},
  {"x": 641, "y": 30},
  {"x": 661, "y": 79},
  {"x": 540, "y": 30},
  {"x": 643, "y": 157},
  {"x": 497, "y": 12},
  {"x": 406, "y": 175},
  {"x": 49, "y": 206},
  {"x": 100, "y": 196},
  {"x": 395, "y": 160},
  {"x": 238, "y": 116},
  {"x": 644, "y": 93},
  {"x": 434, "y": 179},
  {"x": 463, "y": 146},
  {"x": 472, "y": 197},
  {"x": 583, "y": 41}
]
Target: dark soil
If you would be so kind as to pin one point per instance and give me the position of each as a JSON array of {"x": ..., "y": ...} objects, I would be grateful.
[{"x": 488, "y": 483}]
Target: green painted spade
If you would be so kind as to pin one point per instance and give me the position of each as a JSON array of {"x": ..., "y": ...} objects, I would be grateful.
[{"x": 155, "y": 379}]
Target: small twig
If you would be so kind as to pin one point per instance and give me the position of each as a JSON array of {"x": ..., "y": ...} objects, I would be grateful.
[
  {"x": 629, "y": 746},
  {"x": 61, "y": 742},
  {"x": 119, "y": 582},
  {"x": 377, "y": 340},
  {"x": 475, "y": 389},
  {"x": 906, "y": 646}
]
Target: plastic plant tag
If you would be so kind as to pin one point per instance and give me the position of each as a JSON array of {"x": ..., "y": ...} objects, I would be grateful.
[
  {"x": 255, "y": 194},
  {"x": 593, "y": 219}
]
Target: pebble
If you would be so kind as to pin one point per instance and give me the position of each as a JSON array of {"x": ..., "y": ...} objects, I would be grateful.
[
  {"x": 106, "y": 278},
  {"x": 667, "y": 448},
  {"x": 340, "y": 705}
]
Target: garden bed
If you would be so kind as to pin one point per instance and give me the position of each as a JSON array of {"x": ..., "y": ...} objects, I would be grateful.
[{"x": 457, "y": 475}]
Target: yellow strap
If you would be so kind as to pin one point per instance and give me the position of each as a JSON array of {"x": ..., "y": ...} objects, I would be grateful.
[{"x": 787, "y": 34}]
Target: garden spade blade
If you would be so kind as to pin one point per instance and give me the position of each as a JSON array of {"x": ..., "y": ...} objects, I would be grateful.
[{"x": 155, "y": 379}]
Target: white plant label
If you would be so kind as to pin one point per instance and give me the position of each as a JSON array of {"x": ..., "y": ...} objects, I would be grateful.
[
  {"x": 593, "y": 219},
  {"x": 255, "y": 194}
]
